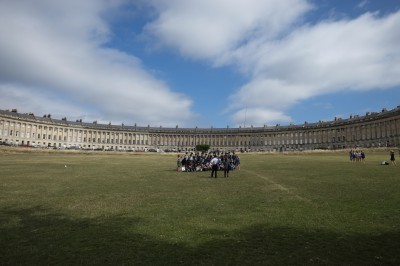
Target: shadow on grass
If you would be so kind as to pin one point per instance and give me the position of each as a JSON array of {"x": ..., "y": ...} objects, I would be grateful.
[{"x": 38, "y": 236}]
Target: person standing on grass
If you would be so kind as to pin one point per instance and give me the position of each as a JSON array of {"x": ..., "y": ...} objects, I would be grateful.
[
  {"x": 214, "y": 166},
  {"x": 183, "y": 164},
  {"x": 392, "y": 159},
  {"x": 179, "y": 163},
  {"x": 236, "y": 161},
  {"x": 362, "y": 153},
  {"x": 227, "y": 165}
]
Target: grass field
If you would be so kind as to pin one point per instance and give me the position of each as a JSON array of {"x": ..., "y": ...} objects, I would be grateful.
[{"x": 135, "y": 209}]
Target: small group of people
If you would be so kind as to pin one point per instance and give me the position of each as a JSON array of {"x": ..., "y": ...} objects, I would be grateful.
[
  {"x": 357, "y": 156},
  {"x": 214, "y": 162}
]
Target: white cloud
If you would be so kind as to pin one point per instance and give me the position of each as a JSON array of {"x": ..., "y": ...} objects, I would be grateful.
[
  {"x": 285, "y": 60},
  {"x": 251, "y": 116},
  {"x": 210, "y": 28},
  {"x": 53, "y": 52},
  {"x": 360, "y": 54},
  {"x": 29, "y": 101},
  {"x": 362, "y": 4}
]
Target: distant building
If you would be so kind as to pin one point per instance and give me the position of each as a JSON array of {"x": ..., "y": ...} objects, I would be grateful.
[{"x": 375, "y": 129}]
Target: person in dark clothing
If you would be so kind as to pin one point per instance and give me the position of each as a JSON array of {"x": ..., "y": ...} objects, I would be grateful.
[
  {"x": 392, "y": 159},
  {"x": 227, "y": 165},
  {"x": 183, "y": 163}
]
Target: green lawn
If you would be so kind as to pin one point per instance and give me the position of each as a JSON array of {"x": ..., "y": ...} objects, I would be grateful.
[{"x": 135, "y": 209}]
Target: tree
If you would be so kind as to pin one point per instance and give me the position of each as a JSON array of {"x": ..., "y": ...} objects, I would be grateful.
[{"x": 202, "y": 147}]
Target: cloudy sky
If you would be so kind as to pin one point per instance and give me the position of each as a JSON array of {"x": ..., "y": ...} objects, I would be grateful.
[{"x": 199, "y": 63}]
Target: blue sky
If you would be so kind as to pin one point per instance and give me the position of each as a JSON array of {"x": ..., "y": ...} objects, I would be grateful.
[{"x": 200, "y": 63}]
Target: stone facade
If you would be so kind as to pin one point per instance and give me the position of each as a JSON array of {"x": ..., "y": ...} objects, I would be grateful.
[{"x": 377, "y": 129}]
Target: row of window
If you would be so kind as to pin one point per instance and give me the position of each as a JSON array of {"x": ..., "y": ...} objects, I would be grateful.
[
  {"x": 71, "y": 135},
  {"x": 268, "y": 141}
]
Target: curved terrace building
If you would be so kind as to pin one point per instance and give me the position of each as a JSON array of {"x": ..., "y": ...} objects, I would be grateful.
[{"x": 374, "y": 129}]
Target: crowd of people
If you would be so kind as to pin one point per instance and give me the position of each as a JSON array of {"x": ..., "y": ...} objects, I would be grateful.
[{"x": 214, "y": 162}]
